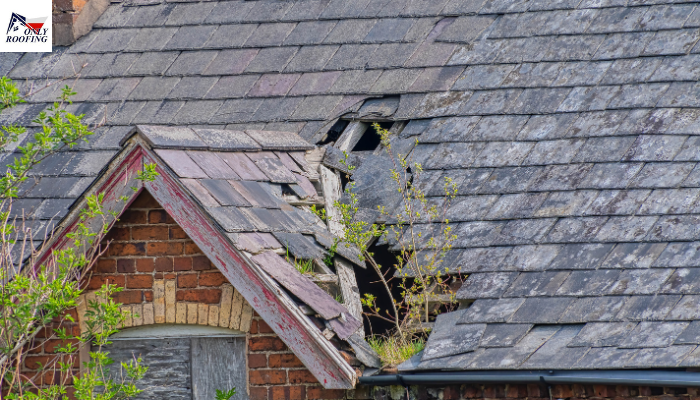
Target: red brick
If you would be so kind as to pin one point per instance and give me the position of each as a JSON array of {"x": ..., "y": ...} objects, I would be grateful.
[
  {"x": 257, "y": 361},
  {"x": 285, "y": 361},
  {"x": 321, "y": 393},
  {"x": 145, "y": 265},
  {"x": 126, "y": 265},
  {"x": 301, "y": 376},
  {"x": 163, "y": 248},
  {"x": 191, "y": 248},
  {"x": 169, "y": 276},
  {"x": 149, "y": 233},
  {"x": 258, "y": 393},
  {"x": 106, "y": 266},
  {"x": 69, "y": 5},
  {"x": 139, "y": 282},
  {"x": 212, "y": 279},
  {"x": 133, "y": 217},
  {"x": 187, "y": 281},
  {"x": 164, "y": 264},
  {"x": 159, "y": 217},
  {"x": 183, "y": 263},
  {"x": 51, "y": 344},
  {"x": 263, "y": 327},
  {"x": 266, "y": 343},
  {"x": 127, "y": 249},
  {"x": 128, "y": 297},
  {"x": 288, "y": 392},
  {"x": 119, "y": 234},
  {"x": 562, "y": 391},
  {"x": 177, "y": 233},
  {"x": 208, "y": 296},
  {"x": 201, "y": 263},
  {"x": 145, "y": 200},
  {"x": 267, "y": 377},
  {"x": 602, "y": 391},
  {"x": 97, "y": 281},
  {"x": 36, "y": 362},
  {"x": 148, "y": 295},
  {"x": 451, "y": 393}
]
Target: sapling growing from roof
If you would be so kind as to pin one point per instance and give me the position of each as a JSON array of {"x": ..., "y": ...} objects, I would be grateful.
[{"x": 419, "y": 272}]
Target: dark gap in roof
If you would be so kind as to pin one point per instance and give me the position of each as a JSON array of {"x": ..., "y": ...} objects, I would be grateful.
[
  {"x": 370, "y": 140},
  {"x": 368, "y": 282},
  {"x": 335, "y": 132}
]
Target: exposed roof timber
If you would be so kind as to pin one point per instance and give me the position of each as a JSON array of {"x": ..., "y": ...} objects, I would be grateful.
[
  {"x": 276, "y": 308},
  {"x": 274, "y": 305}
]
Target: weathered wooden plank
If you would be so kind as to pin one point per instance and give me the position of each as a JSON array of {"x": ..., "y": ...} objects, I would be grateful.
[
  {"x": 345, "y": 325},
  {"x": 192, "y": 313},
  {"x": 180, "y": 313},
  {"x": 246, "y": 317},
  {"x": 218, "y": 363},
  {"x": 202, "y": 314},
  {"x": 351, "y": 135},
  {"x": 330, "y": 183},
  {"x": 225, "y": 313},
  {"x": 137, "y": 314},
  {"x": 213, "y": 315},
  {"x": 170, "y": 301},
  {"x": 277, "y": 309},
  {"x": 168, "y": 361},
  {"x": 148, "y": 317},
  {"x": 300, "y": 286},
  {"x": 159, "y": 301},
  {"x": 82, "y": 308},
  {"x": 236, "y": 310},
  {"x": 348, "y": 287}
]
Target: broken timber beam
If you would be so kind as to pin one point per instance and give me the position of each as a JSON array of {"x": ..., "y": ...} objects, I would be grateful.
[{"x": 330, "y": 182}]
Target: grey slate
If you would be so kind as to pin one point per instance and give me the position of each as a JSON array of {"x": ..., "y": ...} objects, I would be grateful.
[{"x": 571, "y": 137}]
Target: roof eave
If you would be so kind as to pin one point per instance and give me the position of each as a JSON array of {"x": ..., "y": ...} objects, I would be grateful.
[{"x": 662, "y": 378}]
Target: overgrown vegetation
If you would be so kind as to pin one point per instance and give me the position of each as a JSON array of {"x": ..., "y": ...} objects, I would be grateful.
[
  {"x": 394, "y": 350},
  {"x": 419, "y": 260},
  {"x": 36, "y": 300}
]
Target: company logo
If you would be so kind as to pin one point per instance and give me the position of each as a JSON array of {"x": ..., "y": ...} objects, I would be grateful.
[{"x": 23, "y": 30}]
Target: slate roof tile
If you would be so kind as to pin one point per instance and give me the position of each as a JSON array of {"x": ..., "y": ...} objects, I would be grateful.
[
  {"x": 686, "y": 309},
  {"x": 633, "y": 255},
  {"x": 230, "y": 62},
  {"x": 586, "y": 309},
  {"x": 675, "y": 42},
  {"x": 572, "y": 230},
  {"x": 269, "y": 34},
  {"x": 568, "y": 203},
  {"x": 541, "y": 310},
  {"x": 230, "y": 36},
  {"x": 271, "y": 59},
  {"x": 647, "y": 308},
  {"x": 640, "y": 281},
  {"x": 310, "y": 32}
]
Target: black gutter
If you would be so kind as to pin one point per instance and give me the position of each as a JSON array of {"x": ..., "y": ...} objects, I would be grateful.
[{"x": 598, "y": 377}]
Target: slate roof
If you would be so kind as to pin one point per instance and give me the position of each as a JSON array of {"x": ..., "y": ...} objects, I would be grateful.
[{"x": 570, "y": 126}]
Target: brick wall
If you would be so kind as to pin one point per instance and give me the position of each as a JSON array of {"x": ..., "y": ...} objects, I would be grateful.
[
  {"x": 165, "y": 276},
  {"x": 275, "y": 373},
  {"x": 530, "y": 392}
]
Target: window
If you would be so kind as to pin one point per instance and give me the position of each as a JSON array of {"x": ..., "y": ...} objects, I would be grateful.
[{"x": 184, "y": 361}]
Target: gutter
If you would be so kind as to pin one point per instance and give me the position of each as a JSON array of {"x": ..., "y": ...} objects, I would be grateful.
[{"x": 599, "y": 377}]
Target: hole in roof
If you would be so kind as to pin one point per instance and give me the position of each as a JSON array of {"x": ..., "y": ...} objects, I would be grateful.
[
  {"x": 335, "y": 132},
  {"x": 370, "y": 140}
]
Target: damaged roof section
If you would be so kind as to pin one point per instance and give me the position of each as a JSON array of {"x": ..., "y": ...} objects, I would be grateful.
[{"x": 247, "y": 182}]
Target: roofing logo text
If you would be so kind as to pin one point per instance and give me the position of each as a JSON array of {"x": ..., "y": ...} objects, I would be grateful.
[{"x": 23, "y": 30}]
